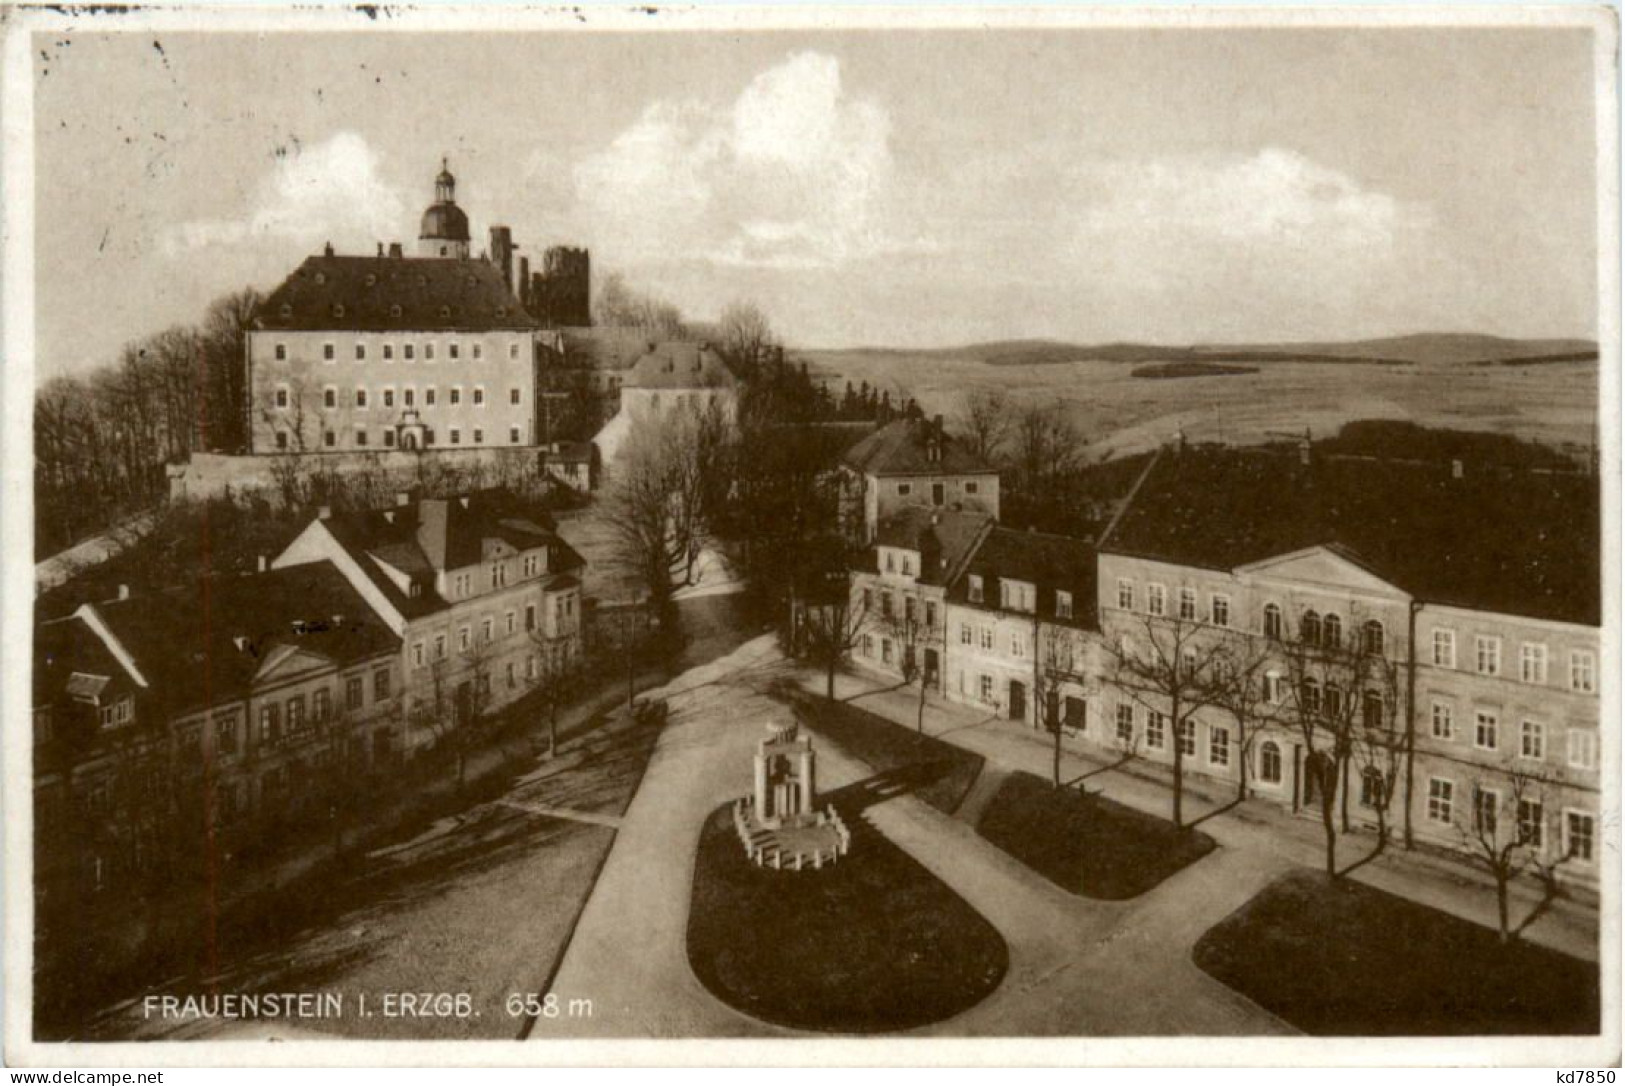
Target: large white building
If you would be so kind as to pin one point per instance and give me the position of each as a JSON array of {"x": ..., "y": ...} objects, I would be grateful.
[{"x": 668, "y": 377}]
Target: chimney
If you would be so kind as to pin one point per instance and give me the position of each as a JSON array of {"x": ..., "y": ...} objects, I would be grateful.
[
  {"x": 1303, "y": 451},
  {"x": 403, "y": 497},
  {"x": 524, "y": 281},
  {"x": 264, "y": 563},
  {"x": 123, "y": 591},
  {"x": 395, "y": 250},
  {"x": 1457, "y": 469},
  {"x": 1179, "y": 440},
  {"x": 323, "y": 512},
  {"x": 502, "y": 252},
  {"x": 327, "y": 250},
  {"x": 241, "y": 642},
  {"x": 380, "y": 249},
  {"x": 389, "y": 515},
  {"x": 462, "y": 499}
]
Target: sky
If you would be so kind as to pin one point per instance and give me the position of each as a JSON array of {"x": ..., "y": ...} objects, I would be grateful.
[{"x": 906, "y": 189}]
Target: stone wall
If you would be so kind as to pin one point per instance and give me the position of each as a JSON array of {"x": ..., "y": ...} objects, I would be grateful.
[{"x": 209, "y": 475}]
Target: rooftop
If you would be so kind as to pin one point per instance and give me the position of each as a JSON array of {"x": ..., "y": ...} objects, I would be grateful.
[
  {"x": 387, "y": 293},
  {"x": 1051, "y": 563},
  {"x": 944, "y": 538},
  {"x": 905, "y": 447},
  {"x": 1516, "y": 542},
  {"x": 678, "y": 364}
]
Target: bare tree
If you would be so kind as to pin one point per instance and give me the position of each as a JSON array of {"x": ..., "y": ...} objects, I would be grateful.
[
  {"x": 1169, "y": 665},
  {"x": 620, "y": 306},
  {"x": 832, "y": 626},
  {"x": 1058, "y": 652},
  {"x": 1240, "y": 690},
  {"x": 1505, "y": 833},
  {"x": 985, "y": 421},
  {"x": 745, "y": 334},
  {"x": 913, "y": 638},
  {"x": 1380, "y": 742},
  {"x": 1047, "y": 447}
]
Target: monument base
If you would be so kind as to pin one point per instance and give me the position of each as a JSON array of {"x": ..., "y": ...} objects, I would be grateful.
[{"x": 799, "y": 842}]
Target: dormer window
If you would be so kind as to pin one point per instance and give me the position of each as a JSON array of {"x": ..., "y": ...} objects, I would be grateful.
[
  {"x": 338, "y": 309},
  {"x": 395, "y": 311},
  {"x": 445, "y": 312},
  {"x": 372, "y": 279},
  {"x": 321, "y": 277},
  {"x": 976, "y": 588},
  {"x": 287, "y": 310}
]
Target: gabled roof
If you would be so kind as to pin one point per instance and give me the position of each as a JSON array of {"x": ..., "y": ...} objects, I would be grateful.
[
  {"x": 680, "y": 365},
  {"x": 70, "y": 662},
  {"x": 1051, "y": 563},
  {"x": 204, "y": 646},
  {"x": 944, "y": 538},
  {"x": 1510, "y": 541},
  {"x": 433, "y": 535},
  {"x": 387, "y": 293},
  {"x": 904, "y": 447}
]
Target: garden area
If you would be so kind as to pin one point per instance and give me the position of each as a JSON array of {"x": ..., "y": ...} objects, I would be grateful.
[
  {"x": 1337, "y": 958},
  {"x": 1087, "y": 844},
  {"x": 874, "y": 943}
]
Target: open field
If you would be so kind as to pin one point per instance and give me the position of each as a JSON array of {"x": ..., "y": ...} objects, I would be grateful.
[{"x": 1555, "y": 403}]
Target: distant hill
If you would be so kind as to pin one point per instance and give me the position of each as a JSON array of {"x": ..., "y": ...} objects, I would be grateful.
[{"x": 1428, "y": 348}]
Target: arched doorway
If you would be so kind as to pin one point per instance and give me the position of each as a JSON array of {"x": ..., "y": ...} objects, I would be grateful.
[{"x": 1018, "y": 701}]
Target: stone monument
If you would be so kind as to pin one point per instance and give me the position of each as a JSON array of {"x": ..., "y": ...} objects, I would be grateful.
[{"x": 779, "y": 823}]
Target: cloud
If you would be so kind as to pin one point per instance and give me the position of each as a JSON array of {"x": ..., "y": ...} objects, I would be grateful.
[
  {"x": 329, "y": 191},
  {"x": 794, "y": 173}
]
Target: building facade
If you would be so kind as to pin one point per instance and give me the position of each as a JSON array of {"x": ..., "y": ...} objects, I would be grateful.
[
  {"x": 909, "y": 463},
  {"x": 667, "y": 378}
]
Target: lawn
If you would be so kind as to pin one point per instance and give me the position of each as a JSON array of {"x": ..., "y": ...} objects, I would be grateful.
[
  {"x": 1087, "y": 844},
  {"x": 1338, "y": 958},
  {"x": 873, "y": 944},
  {"x": 938, "y": 773}
]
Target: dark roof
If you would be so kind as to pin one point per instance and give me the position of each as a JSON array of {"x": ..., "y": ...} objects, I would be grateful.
[
  {"x": 444, "y": 222},
  {"x": 385, "y": 293},
  {"x": 903, "y": 448},
  {"x": 1050, "y": 562},
  {"x": 604, "y": 348},
  {"x": 680, "y": 365},
  {"x": 66, "y": 647},
  {"x": 569, "y": 452},
  {"x": 203, "y": 646},
  {"x": 943, "y": 537},
  {"x": 1509, "y": 541},
  {"x": 437, "y": 534}
]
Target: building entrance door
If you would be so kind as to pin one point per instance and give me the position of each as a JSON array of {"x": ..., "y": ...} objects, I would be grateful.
[{"x": 1018, "y": 701}]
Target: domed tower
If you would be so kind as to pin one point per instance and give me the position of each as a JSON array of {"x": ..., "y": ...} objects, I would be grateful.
[{"x": 445, "y": 228}]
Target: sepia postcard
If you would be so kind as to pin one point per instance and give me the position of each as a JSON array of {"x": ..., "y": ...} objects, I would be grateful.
[{"x": 802, "y": 535}]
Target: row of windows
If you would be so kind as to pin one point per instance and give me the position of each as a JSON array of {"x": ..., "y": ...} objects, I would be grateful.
[
  {"x": 939, "y": 491},
  {"x": 283, "y": 396},
  {"x": 1017, "y": 595},
  {"x": 1530, "y": 737},
  {"x": 1533, "y": 660},
  {"x": 912, "y": 609},
  {"x": 361, "y": 438},
  {"x": 1488, "y": 808},
  {"x": 286, "y": 720},
  {"x": 409, "y": 351},
  {"x": 426, "y": 652},
  {"x": 1156, "y": 602}
]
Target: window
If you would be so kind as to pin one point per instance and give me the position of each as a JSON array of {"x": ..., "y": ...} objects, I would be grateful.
[
  {"x": 417, "y": 654},
  {"x": 439, "y": 646},
  {"x": 513, "y": 351},
  {"x": 380, "y": 684},
  {"x": 1125, "y": 594},
  {"x": 225, "y": 736},
  {"x": 1579, "y": 835},
  {"x": 361, "y": 398},
  {"x": 1532, "y": 740},
  {"x": 456, "y": 396},
  {"x": 479, "y": 395},
  {"x": 328, "y": 353},
  {"x": 1372, "y": 787},
  {"x": 270, "y": 723},
  {"x": 281, "y": 352},
  {"x": 970, "y": 488},
  {"x": 986, "y": 688},
  {"x": 389, "y": 352},
  {"x": 1309, "y": 696},
  {"x": 1018, "y": 646},
  {"x": 428, "y": 396},
  {"x": 1309, "y": 628},
  {"x": 1125, "y": 725},
  {"x": 1372, "y": 708},
  {"x": 1274, "y": 688},
  {"x": 1486, "y": 811},
  {"x": 360, "y": 437},
  {"x": 1063, "y": 604},
  {"x": 530, "y": 616},
  {"x": 296, "y": 713},
  {"x": 456, "y": 436},
  {"x": 1156, "y": 729},
  {"x": 1373, "y": 638},
  {"x": 1187, "y": 738},
  {"x": 1272, "y": 622},
  {"x": 1269, "y": 763},
  {"x": 1218, "y": 746},
  {"x": 1334, "y": 701},
  {"x": 1532, "y": 662},
  {"x": 282, "y": 395},
  {"x": 1583, "y": 671},
  {"x": 463, "y": 639},
  {"x": 1187, "y": 604},
  {"x": 488, "y": 629},
  {"x": 1444, "y": 648},
  {"x": 1582, "y": 749},
  {"x": 885, "y": 605},
  {"x": 869, "y": 645},
  {"x": 428, "y": 352},
  {"x": 1444, "y": 720},
  {"x": 1221, "y": 610},
  {"x": 1156, "y": 599},
  {"x": 1331, "y": 632},
  {"x": 987, "y": 639},
  {"x": 330, "y": 439},
  {"x": 407, "y": 352},
  {"x": 1531, "y": 824},
  {"x": 908, "y": 564},
  {"x": 909, "y": 606},
  {"x": 964, "y": 633},
  {"x": 513, "y": 435},
  {"x": 479, "y": 436},
  {"x": 389, "y": 397},
  {"x": 1488, "y": 654},
  {"x": 891, "y": 562},
  {"x": 479, "y": 352},
  {"x": 1441, "y": 795},
  {"x": 282, "y": 439},
  {"x": 904, "y": 490},
  {"x": 330, "y": 397},
  {"x": 1017, "y": 596},
  {"x": 452, "y": 350},
  {"x": 360, "y": 352},
  {"x": 510, "y": 622},
  {"x": 118, "y": 714},
  {"x": 1486, "y": 730},
  {"x": 513, "y": 396},
  {"x": 975, "y": 588},
  {"x": 930, "y": 614}
]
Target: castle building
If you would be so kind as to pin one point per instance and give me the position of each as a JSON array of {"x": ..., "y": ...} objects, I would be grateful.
[{"x": 357, "y": 354}]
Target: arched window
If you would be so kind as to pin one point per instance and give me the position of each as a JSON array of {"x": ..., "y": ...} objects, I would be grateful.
[
  {"x": 1374, "y": 638},
  {"x": 1333, "y": 701},
  {"x": 1309, "y": 628},
  {"x": 1272, "y": 622},
  {"x": 1331, "y": 631},
  {"x": 1372, "y": 786},
  {"x": 1269, "y": 763},
  {"x": 1273, "y": 687},
  {"x": 1310, "y": 696},
  {"x": 1373, "y": 709}
]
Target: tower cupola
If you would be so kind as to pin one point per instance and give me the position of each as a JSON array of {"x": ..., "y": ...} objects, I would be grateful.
[{"x": 444, "y": 231}]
